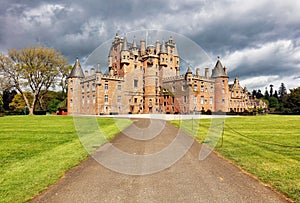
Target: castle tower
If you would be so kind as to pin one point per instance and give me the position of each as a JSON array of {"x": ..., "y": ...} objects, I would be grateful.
[
  {"x": 134, "y": 48},
  {"x": 74, "y": 88},
  {"x": 189, "y": 76},
  {"x": 125, "y": 54},
  {"x": 163, "y": 54},
  {"x": 176, "y": 60},
  {"x": 220, "y": 87}
]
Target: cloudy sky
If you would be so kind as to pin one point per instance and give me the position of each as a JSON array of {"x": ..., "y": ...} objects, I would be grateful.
[{"x": 257, "y": 40}]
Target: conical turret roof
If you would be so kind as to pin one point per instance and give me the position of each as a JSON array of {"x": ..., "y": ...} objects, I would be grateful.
[
  {"x": 76, "y": 71},
  {"x": 125, "y": 45},
  {"x": 218, "y": 70},
  {"x": 134, "y": 43}
]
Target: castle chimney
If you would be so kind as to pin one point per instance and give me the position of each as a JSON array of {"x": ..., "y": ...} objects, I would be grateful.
[
  {"x": 143, "y": 47},
  {"x": 86, "y": 73},
  {"x": 198, "y": 72},
  {"x": 157, "y": 47},
  {"x": 206, "y": 72},
  {"x": 92, "y": 71}
]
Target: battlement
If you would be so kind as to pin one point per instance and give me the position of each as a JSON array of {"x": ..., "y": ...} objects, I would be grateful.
[{"x": 174, "y": 78}]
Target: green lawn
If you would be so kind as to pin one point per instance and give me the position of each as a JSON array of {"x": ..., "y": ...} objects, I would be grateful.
[
  {"x": 278, "y": 166},
  {"x": 35, "y": 151}
]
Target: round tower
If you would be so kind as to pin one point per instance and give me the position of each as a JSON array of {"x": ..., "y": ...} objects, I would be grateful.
[
  {"x": 74, "y": 89},
  {"x": 221, "y": 91}
]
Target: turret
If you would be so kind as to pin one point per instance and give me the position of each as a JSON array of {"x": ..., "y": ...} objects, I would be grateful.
[
  {"x": 189, "y": 76},
  {"x": 74, "y": 88},
  {"x": 220, "y": 87},
  {"x": 163, "y": 54},
  {"x": 134, "y": 47},
  {"x": 125, "y": 54},
  {"x": 143, "y": 47},
  {"x": 76, "y": 71}
]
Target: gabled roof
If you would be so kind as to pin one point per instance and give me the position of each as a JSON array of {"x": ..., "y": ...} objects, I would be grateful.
[
  {"x": 218, "y": 70},
  {"x": 76, "y": 71}
]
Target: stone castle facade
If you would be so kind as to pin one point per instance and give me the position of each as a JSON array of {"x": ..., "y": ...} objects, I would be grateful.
[{"x": 147, "y": 79}]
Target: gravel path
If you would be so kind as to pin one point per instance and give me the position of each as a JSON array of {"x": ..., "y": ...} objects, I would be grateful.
[{"x": 187, "y": 180}]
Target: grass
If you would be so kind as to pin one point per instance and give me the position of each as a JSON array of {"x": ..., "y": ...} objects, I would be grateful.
[
  {"x": 35, "y": 151},
  {"x": 278, "y": 166}
]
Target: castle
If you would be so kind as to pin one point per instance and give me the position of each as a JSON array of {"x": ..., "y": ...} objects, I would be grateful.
[{"x": 147, "y": 79}]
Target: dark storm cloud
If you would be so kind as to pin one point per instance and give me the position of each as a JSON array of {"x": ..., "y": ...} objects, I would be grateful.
[{"x": 259, "y": 38}]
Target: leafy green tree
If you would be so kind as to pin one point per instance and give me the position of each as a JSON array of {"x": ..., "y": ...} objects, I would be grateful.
[
  {"x": 292, "y": 100},
  {"x": 282, "y": 91},
  {"x": 53, "y": 105},
  {"x": 7, "y": 98},
  {"x": 267, "y": 96},
  {"x": 18, "y": 103},
  {"x": 33, "y": 70},
  {"x": 271, "y": 90},
  {"x": 273, "y": 103}
]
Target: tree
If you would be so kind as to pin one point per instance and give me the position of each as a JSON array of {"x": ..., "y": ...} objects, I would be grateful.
[
  {"x": 8, "y": 96},
  {"x": 33, "y": 70},
  {"x": 18, "y": 103},
  {"x": 282, "y": 91},
  {"x": 292, "y": 100},
  {"x": 273, "y": 103},
  {"x": 271, "y": 90},
  {"x": 259, "y": 95},
  {"x": 53, "y": 105},
  {"x": 266, "y": 94},
  {"x": 1, "y": 103}
]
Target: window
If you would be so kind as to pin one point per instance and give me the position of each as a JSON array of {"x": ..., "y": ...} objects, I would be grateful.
[
  {"x": 71, "y": 89},
  {"x": 211, "y": 100},
  {"x": 119, "y": 99},
  {"x": 93, "y": 87},
  {"x": 94, "y": 99},
  {"x": 135, "y": 66},
  {"x": 82, "y": 88},
  {"x": 106, "y": 86},
  {"x": 223, "y": 82},
  {"x": 184, "y": 99},
  {"x": 211, "y": 89},
  {"x": 71, "y": 101},
  {"x": 88, "y": 99},
  {"x": 223, "y": 101},
  {"x": 82, "y": 100},
  {"x": 119, "y": 88},
  {"x": 135, "y": 100},
  {"x": 202, "y": 100},
  {"x": 106, "y": 98},
  {"x": 165, "y": 103},
  {"x": 223, "y": 91},
  {"x": 202, "y": 88},
  {"x": 195, "y": 99},
  {"x": 141, "y": 68},
  {"x": 135, "y": 84},
  {"x": 195, "y": 88}
]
